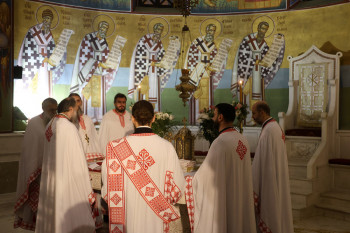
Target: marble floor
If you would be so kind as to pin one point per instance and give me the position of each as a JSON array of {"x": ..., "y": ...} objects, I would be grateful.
[{"x": 317, "y": 224}]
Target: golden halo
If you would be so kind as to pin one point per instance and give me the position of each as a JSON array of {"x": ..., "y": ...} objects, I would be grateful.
[
  {"x": 206, "y": 22},
  {"x": 39, "y": 18},
  {"x": 267, "y": 19},
  {"x": 161, "y": 20},
  {"x": 106, "y": 18}
]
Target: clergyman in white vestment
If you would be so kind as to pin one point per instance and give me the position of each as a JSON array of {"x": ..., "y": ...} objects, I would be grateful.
[
  {"x": 219, "y": 197},
  {"x": 116, "y": 123},
  {"x": 65, "y": 190},
  {"x": 142, "y": 178},
  {"x": 270, "y": 175},
  {"x": 29, "y": 171},
  {"x": 91, "y": 146},
  {"x": 87, "y": 132}
]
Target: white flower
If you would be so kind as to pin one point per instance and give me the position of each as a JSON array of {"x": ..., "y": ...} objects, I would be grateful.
[
  {"x": 171, "y": 117},
  {"x": 206, "y": 116},
  {"x": 166, "y": 115},
  {"x": 158, "y": 115},
  {"x": 199, "y": 120}
]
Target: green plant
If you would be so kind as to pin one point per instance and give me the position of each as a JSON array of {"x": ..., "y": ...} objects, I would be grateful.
[{"x": 206, "y": 125}]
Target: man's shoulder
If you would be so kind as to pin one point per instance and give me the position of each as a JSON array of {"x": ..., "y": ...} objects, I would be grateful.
[
  {"x": 109, "y": 113},
  {"x": 35, "y": 119},
  {"x": 229, "y": 139}
]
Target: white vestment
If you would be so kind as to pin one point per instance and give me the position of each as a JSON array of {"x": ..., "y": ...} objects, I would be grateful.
[
  {"x": 271, "y": 181},
  {"x": 221, "y": 191},
  {"x": 114, "y": 126},
  {"x": 29, "y": 174},
  {"x": 65, "y": 190},
  {"x": 154, "y": 168},
  {"x": 89, "y": 138}
]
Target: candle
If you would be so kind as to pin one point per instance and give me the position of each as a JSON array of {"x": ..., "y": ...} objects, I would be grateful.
[
  {"x": 139, "y": 92},
  {"x": 240, "y": 91}
]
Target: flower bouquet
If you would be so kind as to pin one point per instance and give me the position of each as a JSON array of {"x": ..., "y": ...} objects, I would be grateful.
[
  {"x": 241, "y": 114},
  {"x": 163, "y": 124},
  {"x": 206, "y": 125}
]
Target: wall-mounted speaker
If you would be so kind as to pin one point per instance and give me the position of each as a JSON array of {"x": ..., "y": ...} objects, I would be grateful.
[{"x": 17, "y": 72}]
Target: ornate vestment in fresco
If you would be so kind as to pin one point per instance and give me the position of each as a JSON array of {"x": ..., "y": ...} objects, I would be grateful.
[
  {"x": 142, "y": 67},
  {"x": 90, "y": 78}
]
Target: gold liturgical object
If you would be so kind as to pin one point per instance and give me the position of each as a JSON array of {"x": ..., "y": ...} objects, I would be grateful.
[
  {"x": 185, "y": 87},
  {"x": 184, "y": 143}
]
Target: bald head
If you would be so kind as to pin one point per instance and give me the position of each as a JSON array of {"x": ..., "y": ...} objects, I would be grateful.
[
  {"x": 49, "y": 107},
  {"x": 260, "y": 112}
]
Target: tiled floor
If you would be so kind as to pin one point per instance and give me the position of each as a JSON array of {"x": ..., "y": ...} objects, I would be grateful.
[{"x": 317, "y": 224}]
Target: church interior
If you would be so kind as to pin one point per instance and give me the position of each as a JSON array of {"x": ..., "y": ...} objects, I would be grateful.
[{"x": 306, "y": 82}]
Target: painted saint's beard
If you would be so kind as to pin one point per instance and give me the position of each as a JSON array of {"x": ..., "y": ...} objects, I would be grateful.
[
  {"x": 209, "y": 38},
  {"x": 102, "y": 34},
  {"x": 156, "y": 37}
]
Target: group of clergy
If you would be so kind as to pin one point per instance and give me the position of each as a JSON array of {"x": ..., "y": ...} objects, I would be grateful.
[{"x": 142, "y": 179}]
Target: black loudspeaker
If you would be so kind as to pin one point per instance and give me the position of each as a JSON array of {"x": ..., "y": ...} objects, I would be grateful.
[{"x": 17, "y": 72}]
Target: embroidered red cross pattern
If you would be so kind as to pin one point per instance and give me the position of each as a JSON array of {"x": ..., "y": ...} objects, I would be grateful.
[
  {"x": 150, "y": 191},
  {"x": 263, "y": 227},
  {"x": 131, "y": 164},
  {"x": 116, "y": 230},
  {"x": 114, "y": 166},
  {"x": 116, "y": 199},
  {"x": 167, "y": 215},
  {"x": 48, "y": 133},
  {"x": 241, "y": 149},
  {"x": 145, "y": 159}
]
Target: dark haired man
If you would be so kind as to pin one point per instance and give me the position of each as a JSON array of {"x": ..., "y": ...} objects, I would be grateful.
[
  {"x": 30, "y": 167},
  {"x": 142, "y": 178},
  {"x": 116, "y": 123},
  {"x": 66, "y": 196},
  {"x": 220, "y": 195},
  {"x": 270, "y": 175}
]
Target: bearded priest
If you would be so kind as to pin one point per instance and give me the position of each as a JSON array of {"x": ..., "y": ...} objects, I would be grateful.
[
  {"x": 116, "y": 123},
  {"x": 142, "y": 178},
  {"x": 30, "y": 167},
  {"x": 87, "y": 132},
  {"x": 219, "y": 197},
  {"x": 66, "y": 197}
]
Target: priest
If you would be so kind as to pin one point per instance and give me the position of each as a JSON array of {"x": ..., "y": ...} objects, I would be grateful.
[
  {"x": 91, "y": 146},
  {"x": 116, "y": 123},
  {"x": 142, "y": 178},
  {"x": 87, "y": 132},
  {"x": 270, "y": 175},
  {"x": 65, "y": 192},
  {"x": 220, "y": 195},
  {"x": 29, "y": 171}
]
